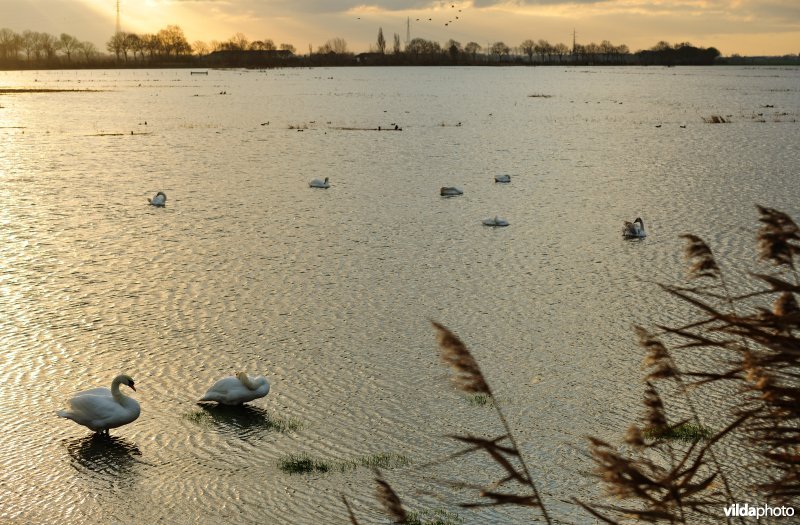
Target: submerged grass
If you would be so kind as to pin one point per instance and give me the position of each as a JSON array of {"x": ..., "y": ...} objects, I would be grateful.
[
  {"x": 302, "y": 464},
  {"x": 686, "y": 432},
  {"x": 433, "y": 517},
  {"x": 305, "y": 464},
  {"x": 248, "y": 417},
  {"x": 479, "y": 400}
]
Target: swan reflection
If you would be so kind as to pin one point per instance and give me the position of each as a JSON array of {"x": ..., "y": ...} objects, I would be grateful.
[{"x": 106, "y": 456}]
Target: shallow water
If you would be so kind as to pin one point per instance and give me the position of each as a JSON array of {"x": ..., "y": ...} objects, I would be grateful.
[{"x": 329, "y": 293}]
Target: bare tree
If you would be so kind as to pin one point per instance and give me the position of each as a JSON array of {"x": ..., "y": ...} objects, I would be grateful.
[
  {"x": 528, "y": 47},
  {"x": 68, "y": 44},
  {"x": 381, "y": 41},
  {"x": 238, "y": 42},
  {"x": 114, "y": 44},
  {"x": 88, "y": 50},
  {"x": 288, "y": 47},
  {"x": 200, "y": 48},
  {"x": 334, "y": 45},
  {"x": 28, "y": 43},
  {"x": 10, "y": 43},
  {"x": 472, "y": 48},
  {"x": 500, "y": 49},
  {"x": 172, "y": 39}
]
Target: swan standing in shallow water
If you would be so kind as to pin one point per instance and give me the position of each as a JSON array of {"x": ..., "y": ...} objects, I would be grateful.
[
  {"x": 237, "y": 390},
  {"x": 450, "y": 191},
  {"x": 100, "y": 409},
  {"x": 634, "y": 230},
  {"x": 502, "y": 178},
  {"x": 316, "y": 183},
  {"x": 160, "y": 200},
  {"x": 495, "y": 221}
]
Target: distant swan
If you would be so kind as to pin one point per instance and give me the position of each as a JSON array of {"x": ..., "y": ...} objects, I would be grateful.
[
  {"x": 502, "y": 178},
  {"x": 160, "y": 199},
  {"x": 634, "y": 230},
  {"x": 100, "y": 408},
  {"x": 237, "y": 390},
  {"x": 495, "y": 221},
  {"x": 316, "y": 183},
  {"x": 450, "y": 191}
]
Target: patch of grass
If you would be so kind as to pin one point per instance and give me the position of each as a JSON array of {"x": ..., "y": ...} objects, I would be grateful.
[
  {"x": 686, "y": 432},
  {"x": 433, "y": 517},
  {"x": 304, "y": 464},
  {"x": 540, "y": 95},
  {"x": 374, "y": 461},
  {"x": 479, "y": 400},
  {"x": 301, "y": 464},
  {"x": 242, "y": 417}
]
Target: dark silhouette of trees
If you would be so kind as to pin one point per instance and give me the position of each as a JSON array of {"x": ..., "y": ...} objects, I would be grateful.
[
  {"x": 381, "y": 41},
  {"x": 682, "y": 54},
  {"x": 528, "y": 47},
  {"x": 472, "y": 49},
  {"x": 169, "y": 47},
  {"x": 337, "y": 46},
  {"x": 453, "y": 47},
  {"x": 500, "y": 49}
]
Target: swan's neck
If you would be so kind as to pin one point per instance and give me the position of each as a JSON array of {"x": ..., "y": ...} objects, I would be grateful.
[
  {"x": 246, "y": 381},
  {"x": 118, "y": 396}
]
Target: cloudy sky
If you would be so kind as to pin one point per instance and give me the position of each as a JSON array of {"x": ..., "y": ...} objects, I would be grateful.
[{"x": 748, "y": 27}]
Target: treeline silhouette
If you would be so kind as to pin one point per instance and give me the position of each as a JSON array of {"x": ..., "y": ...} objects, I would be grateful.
[{"x": 169, "y": 47}]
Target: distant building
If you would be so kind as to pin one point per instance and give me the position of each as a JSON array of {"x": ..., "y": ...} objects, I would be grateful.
[
  {"x": 370, "y": 58},
  {"x": 273, "y": 57}
]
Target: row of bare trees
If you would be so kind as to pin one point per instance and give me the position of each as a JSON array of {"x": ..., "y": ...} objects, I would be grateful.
[{"x": 38, "y": 47}]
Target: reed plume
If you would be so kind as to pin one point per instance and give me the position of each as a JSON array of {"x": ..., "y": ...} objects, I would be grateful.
[{"x": 389, "y": 500}]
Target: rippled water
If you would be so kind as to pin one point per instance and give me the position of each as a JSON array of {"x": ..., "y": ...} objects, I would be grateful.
[{"x": 329, "y": 292}]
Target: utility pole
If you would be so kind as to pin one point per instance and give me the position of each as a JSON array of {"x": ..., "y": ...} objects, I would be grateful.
[
  {"x": 119, "y": 27},
  {"x": 408, "y": 30},
  {"x": 573, "y": 41}
]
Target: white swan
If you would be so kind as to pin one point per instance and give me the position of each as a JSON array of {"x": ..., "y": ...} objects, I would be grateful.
[
  {"x": 316, "y": 183},
  {"x": 502, "y": 178},
  {"x": 495, "y": 221},
  {"x": 160, "y": 199},
  {"x": 237, "y": 390},
  {"x": 634, "y": 230},
  {"x": 450, "y": 191},
  {"x": 100, "y": 408}
]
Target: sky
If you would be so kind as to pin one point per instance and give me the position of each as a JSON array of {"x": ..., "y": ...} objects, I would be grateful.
[{"x": 746, "y": 27}]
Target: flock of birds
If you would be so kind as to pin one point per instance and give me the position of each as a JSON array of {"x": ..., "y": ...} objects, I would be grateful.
[
  {"x": 452, "y": 6},
  {"x": 101, "y": 409}
]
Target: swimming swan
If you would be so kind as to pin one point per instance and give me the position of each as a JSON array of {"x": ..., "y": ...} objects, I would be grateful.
[
  {"x": 634, "y": 230},
  {"x": 237, "y": 390},
  {"x": 160, "y": 199},
  {"x": 495, "y": 221},
  {"x": 502, "y": 178},
  {"x": 450, "y": 191},
  {"x": 316, "y": 183},
  {"x": 100, "y": 408}
]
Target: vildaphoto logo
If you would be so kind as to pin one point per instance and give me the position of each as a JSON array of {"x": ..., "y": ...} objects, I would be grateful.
[{"x": 758, "y": 511}]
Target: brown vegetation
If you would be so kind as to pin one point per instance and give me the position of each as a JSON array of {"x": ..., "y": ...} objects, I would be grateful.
[{"x": 738, "y": 344}]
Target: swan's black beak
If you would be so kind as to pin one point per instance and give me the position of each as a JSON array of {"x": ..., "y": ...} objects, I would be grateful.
[{"x": 132, "y": 388}]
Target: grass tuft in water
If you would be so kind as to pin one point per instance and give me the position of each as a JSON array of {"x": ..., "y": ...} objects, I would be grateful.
[
  {"x": 686, "y": 432},
  {"x": 433, "y": 517},
  {"x": 479, "y": 400},
  {"x": 304, "y": 464}
]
